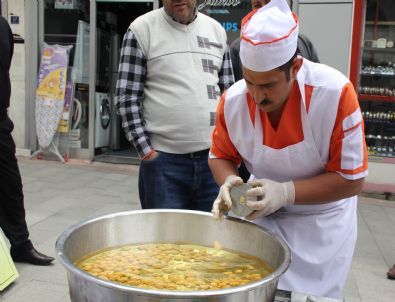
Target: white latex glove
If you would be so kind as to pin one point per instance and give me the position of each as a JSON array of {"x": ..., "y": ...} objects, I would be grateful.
[
  {"x": 223, "y": 203},
  {"x": 271, "y": 196}
]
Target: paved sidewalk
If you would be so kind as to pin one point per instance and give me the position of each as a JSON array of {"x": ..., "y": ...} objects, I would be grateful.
[{"x": 59, "y": 195}]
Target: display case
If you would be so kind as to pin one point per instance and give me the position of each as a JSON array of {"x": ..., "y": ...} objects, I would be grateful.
[{"x": 377, "y": 79}]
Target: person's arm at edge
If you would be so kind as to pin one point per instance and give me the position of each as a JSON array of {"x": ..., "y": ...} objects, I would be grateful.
[
  {"x": 129, "y": 95},
  {"x": 326, "y": 188},
  {"x": 307, "y": 49},
  {"x": 338, "y": 183},
  {"x": 235, "y": 58},
  {"x": 225, "y": 74},
  {"x": 221, "y": 169},
  {"x": 223, "y": 158}
]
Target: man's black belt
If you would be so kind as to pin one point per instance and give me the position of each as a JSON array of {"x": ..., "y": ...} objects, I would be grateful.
[{"x": 199, "y": 153}]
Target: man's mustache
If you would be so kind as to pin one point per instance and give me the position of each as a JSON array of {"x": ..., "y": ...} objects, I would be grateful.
[{"x": 265, "y": 102}]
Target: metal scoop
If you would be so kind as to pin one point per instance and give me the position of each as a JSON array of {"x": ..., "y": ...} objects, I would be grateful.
[{"x": 239, "y": 198}]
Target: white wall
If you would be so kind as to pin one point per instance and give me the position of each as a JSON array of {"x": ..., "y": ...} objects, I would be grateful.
[
  {"x": 17, "y": 74},
  {"x": 381, "y": 173},
  {"x": 328, "y": 24}
]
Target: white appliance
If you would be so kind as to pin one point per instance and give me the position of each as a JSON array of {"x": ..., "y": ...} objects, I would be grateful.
[{"x": 102, "y": 119}]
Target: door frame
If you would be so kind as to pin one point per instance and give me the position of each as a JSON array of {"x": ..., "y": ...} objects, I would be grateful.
[
  {"x": 4, "y": 8},
  {"x": 32, "y": 42}
]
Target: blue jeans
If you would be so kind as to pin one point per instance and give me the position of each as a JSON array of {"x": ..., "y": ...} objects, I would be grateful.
[{"x": 177, "y": 181}]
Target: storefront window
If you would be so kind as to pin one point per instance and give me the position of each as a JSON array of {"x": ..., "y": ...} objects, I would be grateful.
[
  {"x": 377, "y": 78},
  {"x": 229, "y": 13},
  {"x": 67, "y": 27}
]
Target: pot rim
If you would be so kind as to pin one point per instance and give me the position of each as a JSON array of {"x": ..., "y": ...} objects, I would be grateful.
[{"x": 71, "y": 268}]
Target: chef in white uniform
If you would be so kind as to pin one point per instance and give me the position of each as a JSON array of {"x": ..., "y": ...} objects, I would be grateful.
[{"x": 297, "y": 126}]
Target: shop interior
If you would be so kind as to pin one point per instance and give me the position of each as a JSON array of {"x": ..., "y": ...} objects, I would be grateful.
[
  {"x": 68, "y": 23},
  {"x": 113, "y": 20},
  {"x": 377, "y": 81}
]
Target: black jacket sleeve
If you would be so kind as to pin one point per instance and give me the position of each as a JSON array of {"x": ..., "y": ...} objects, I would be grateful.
[
  {"x": 306, "y": 49},
  {"x": 235, "y": 58},
  {"x": 6, "y": 52}
]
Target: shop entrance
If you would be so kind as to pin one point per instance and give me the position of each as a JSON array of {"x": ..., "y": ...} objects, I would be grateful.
[
  {"x": 112, "y": 21},
  {"x": 92, "y": 30}
]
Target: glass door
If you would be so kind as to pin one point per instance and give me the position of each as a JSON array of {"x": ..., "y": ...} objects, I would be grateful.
[{"x": 66, "y": 24}]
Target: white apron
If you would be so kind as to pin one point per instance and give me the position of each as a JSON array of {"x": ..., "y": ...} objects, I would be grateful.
[{"x": 321, "y": 237}]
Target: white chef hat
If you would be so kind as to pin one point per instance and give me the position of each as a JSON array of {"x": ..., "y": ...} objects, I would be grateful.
[{"x": 269, "y": 36}]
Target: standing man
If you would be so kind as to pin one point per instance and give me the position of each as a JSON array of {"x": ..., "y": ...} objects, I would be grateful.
[
  {"x": 12, "y": 211},
  {"x": 305, "y": 47},
  {"x": 298, "y": 128},
  {"x": 174, "y": 65}
]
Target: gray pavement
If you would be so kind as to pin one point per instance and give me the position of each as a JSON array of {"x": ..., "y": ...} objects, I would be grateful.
[{"x": 59, "y": 195}]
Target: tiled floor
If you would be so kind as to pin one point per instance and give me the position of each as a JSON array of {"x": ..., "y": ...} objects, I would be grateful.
[{"x": 57, "y": 196}]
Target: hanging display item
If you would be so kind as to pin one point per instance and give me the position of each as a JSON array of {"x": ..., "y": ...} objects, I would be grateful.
[
  {"x": 50, "y": 95},
  {"x": 64, "y": 124}
]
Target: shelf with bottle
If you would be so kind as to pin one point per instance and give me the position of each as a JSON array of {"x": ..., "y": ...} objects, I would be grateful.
[
  {"x": 376, "y": 98},
  {"x": 382, "y": 23},
  {"x": 376, "y": 49},
  {"x": 377, "y": 73},
  {"x": 377, "y": 82},
  {"x": 384, "y": 69},
  {"x": 386, "y": 118},
  {"x": 376, "y": 87},
  {"x": 376, "y": 93},
  {"x": 378, "y": 145},
  {"x": 380, "y": 132}
]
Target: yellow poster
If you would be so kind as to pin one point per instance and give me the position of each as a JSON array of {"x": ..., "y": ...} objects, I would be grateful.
[{"x": 53, "y": 85}]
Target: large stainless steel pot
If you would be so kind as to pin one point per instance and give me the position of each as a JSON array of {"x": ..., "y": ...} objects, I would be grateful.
[{"x": 168, "y": 226}]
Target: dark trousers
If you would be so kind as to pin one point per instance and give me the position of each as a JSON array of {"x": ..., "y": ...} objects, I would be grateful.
[
  {"x": 12, "y": 211},
  {"x": 177, "y": 181}
]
